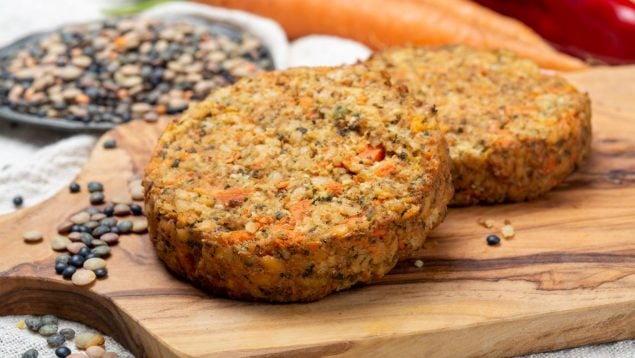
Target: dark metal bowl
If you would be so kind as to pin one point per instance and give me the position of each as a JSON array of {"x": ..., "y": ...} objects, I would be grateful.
[{"x": 60, "y": 124}]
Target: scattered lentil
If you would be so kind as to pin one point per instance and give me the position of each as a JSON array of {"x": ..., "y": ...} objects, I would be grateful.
[
  {"x": 80, "y": 218},
  {"x": 94, "y": 264},
  {"x": 31, "y": 353},
  {"x": 33, "y": 323},
  {"x": 75, "y": 236},
  {"x": 101, "y": 251},
  {"x": 125, "y": 226},
  {"x": 62, "y": 352},
  {"x": 48, "y": 330},
  {"x": 32, "y": 236},
  {"x": 95, "y": 352},
  {"x": 95, "y": 186},
  {"x": 49, "y": 319},
  {"x": 18, "y": 201},
  {"x": 74, "y": 247},
  {"x": 69, "y": 271},
  {"x": 136, "y": 209},
  {"x": 83, "y": 277},
  {"x": 418, "y": 264},
  {"x": 140, "y": 226},
  {"x": 60, "y": 267},
  {"x": 88, "y": 339},
  {"x": 84, "y": 251},
  {"x": 101, "y": 273},
  {"x": 65, "y": 227},
  {"x": 63, "y": 259},
  {"x": 59, "y": 243},
  {"x": 493, "y": 240},
  {"x": 121, "y": 210},
  {"x": 97, "y": 198},
  {"x": 100, "y": 230},
  {"x": 110, "y": 238},
  {"x": 74, "y": 188},
  {"x": 68, "y": 333},
  {"x": 109, "y": 211},
  {"x": 110, "y": 144},
  {"x": 55, "y": 340},
  {"x": 77, "y": 260}
]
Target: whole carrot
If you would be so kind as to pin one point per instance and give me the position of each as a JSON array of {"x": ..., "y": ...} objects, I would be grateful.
[{"x": 384, "y": 23}]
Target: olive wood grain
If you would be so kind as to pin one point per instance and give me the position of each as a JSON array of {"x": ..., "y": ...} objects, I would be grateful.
[{"x": 566, "y": 279}]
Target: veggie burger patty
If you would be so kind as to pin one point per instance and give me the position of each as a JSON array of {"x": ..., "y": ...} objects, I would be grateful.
[
  {"x": 513, "y": 131},
  {"x": 290, "y": 185}
]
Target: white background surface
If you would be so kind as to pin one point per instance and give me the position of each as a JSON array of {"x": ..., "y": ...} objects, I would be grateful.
[{"x": 37, "y": 164}]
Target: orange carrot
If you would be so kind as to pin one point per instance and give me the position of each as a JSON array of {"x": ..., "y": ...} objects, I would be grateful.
[
  {"x": 384, "y": 23},
  {"x": 385, "y": 169},
  {"x": 232, "y": 195},
  {"x": 371, "y": 155},
  {"x": 299, "y": 209}
]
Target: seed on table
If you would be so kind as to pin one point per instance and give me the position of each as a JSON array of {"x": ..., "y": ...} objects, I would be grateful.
[
  {"x": 18, "y": 201},
  {"x": 48, "y": 330},
  {"x": 109, "y": 211},
  {"x": 49, "y": 319},
  {"x": 99, "y": 242},
  {"x": 121, "y": 199},
  {"x": 493, "y": 240},
  {"x": 122, "y": 210},
  {"x": 83, "y": 228},
  {"x": 101, "y": 251},
  {"x": 33, "y": 323},
  {"x": 65, "y": 227},
  {"x": 55, "y": 340},
  {"x": 84, "y": 251},
  {"x": 110, "y": 144},
  {"x": 69, "y": 271},
  {"x": 59, "y": 243},
  {"x": 74, "y": 248},
  {"x": 87, "y": 239},
  {"x": 62, "y": 259},
  {"x": 95, "y": 186},
  {"x": 100, "y": 230},
  {"x": 94, "y": 264},
  {"x": 115, "y": 230},
  {"x": 76, "y": 228},
  {"x": 75, "y": 236},
  {"x": 125, "y": 226},
  {"x": 31, "y": 353},
  {"x": 68, "y": 333},
  {"x": 110, "y": 238},
  {"x": 32, "y": 236},
  {"x": 74, "y": 188},
  {"x": 136, "y": 209},
  {"x": 108, "y": 222},
  {"x": 80, "y": 218},
  {"x": 97, "y": 217},
  {"x": 83, "y": 277},
  {"x": 21, "y": 324},
  {"x": 77, "y": 260},
  {"x": 137, "y": 192},
  {"x": 95, "y": 352},
  {"x": 92, "y": 210},
  {"x": 97, "y": 198},
  {"x": 63, "y": 352},
  {"x": 60, "y": 267},
  {"x": 91, "y": 224},
  {"x": 87, "y": 339},
  {"x": 140, "y": 226},
  {"x": 101, "y": 273}
]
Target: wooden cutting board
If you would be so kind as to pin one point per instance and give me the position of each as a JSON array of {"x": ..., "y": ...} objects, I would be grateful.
[{"x": 566, "y": 279}]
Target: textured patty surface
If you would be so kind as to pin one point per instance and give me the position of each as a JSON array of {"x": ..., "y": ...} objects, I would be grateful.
[
  {"x": 290, "y": 185},
  {"x": 513, "y": 131}
]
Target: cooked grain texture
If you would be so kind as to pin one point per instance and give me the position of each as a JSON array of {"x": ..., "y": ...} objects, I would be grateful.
[
  {"x": 514, "y": 132},
  {"x": 291, "y": 185}
]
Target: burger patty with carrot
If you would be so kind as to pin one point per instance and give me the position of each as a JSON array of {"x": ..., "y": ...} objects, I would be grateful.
[
  {"x": 514, "y": 132},
  {"x": 288, "y": 186}
]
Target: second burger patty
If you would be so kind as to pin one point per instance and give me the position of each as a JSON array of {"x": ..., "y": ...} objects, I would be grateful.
[
  {"x": 290, "y": 185},
  {"x": 513, "y": 131}
]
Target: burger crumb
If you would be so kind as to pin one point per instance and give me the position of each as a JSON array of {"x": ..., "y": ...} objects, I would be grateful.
[
  {"x": 487, "y": 223},
  {"x": 507, "y": 231}
]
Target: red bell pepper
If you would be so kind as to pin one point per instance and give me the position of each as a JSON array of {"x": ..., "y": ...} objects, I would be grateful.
[{"x": 595, "y": 30}]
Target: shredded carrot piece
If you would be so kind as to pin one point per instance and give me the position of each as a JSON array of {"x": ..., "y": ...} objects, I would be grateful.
[
  {"x": 385, "y": 169},
  {"x": 371, "y": 155},
  {"x": 233, "y": 195}
]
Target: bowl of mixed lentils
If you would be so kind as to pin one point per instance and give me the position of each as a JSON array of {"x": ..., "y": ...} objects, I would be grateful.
[{"x": 94, "y": 76}]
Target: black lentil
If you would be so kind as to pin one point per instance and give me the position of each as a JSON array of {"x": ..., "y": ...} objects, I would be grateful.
[
  {"x": 110, "y": 144},
  {"x": 100, "y": 230},
  {"x": 31, "y": 353},
  {"x": 493, "y": 240},
  {"x": 62, "y": 352},
  {"x": 69, "y": 271},
  {"x": 74, "y": 188},
  {"x": 97, "y": 198},
  {"x": 60, "y": 267},
  {"x": 109, "y": 211},
  {"x": 84, "y": 251},
  {"x": 55, "y": 340},
  {"x": 77, "y": 260},
  {"x": 101, "y": 273},
  {"x": 68, "y": 333},
  {"x": 136, "y": 209},
  {"x": 95, "y": 186},
  {"x": 18, "y": 201}
]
